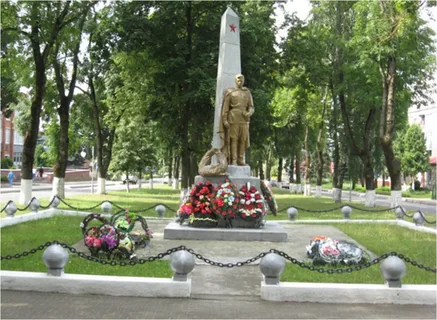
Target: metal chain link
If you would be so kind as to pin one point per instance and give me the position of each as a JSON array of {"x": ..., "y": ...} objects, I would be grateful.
[
  {"x": 155, "y": 205},
  {"x": 159, "y": 256},
  {"x": 5, "y": 206},
  {"x": 340, "y": 207},
  {"x": 424, "y": 218}
]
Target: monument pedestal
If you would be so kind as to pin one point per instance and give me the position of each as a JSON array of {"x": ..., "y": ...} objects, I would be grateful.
[
  {"x": 239, "y": 175},
  {"x": 271, "y": 231}
]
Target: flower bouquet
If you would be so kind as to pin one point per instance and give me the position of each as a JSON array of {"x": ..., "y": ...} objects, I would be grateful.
[
  {"x": 226, "y": 203},
  {"x": 124, "y": 221},
  {"x": 268, "y": 197},
  {"x": 202, "y": 197},
  {"x": 251, "y": 209},
  {"x": 104, "y": 238},
  {"x": 324, "y": 250}
]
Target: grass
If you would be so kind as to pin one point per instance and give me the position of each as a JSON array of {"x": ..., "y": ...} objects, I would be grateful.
[
  {"x": 26, "y": 236},
  {"x": 138, "y": 200},
  {"x": 379, "y": 239},
  {"x": 418, "y": 194}
]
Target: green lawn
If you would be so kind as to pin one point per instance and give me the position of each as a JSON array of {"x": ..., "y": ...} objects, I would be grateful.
[
  {"x": 379, "y": 239},
  {"x": 26, "y": 236},
  {"x": 138, "y": 200}
]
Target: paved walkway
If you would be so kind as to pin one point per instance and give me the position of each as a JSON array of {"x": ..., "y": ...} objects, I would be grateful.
[{"x": 36, "y": 305}]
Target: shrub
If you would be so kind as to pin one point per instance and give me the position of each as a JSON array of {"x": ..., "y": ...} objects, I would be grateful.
[
  {"x": 360, "y": 188},
  {"x": 7, "y": 163}
]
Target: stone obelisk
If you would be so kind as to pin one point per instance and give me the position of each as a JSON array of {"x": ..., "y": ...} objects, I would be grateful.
[{"x": 229, "y": 65}]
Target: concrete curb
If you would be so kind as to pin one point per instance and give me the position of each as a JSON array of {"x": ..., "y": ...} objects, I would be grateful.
[
  {"x": 92, "y": 284},
  {"x": 349, "y": 293}
]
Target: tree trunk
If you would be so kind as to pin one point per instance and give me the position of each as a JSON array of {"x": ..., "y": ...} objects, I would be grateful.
[
  {"x": 319, "y": 152},
  {"x": 61, "y": 161},
  {"x": 370, "y": 182},
  {"x": 194, "y": 169},
  {"x": 383, "y": 180},
  {"x": 170, "y": 168},
  {"x": 127, "y": 182},
  {"x": 280, "y": 166},
  {"x": 291, "y": 170},
  {"x": 386, "y": 128},
  {"x": 176, "y": 172},
  {"x": 269, "y": 166},
  {"x": 261, "y": 171},
  {"x": 307, "y": 190},
  {"x": 298, "y": 177}
]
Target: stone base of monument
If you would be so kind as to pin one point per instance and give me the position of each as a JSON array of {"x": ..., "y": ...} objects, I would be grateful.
[
  {"x": 239, "y": 175},
  {"x": 271, "y": 231}
]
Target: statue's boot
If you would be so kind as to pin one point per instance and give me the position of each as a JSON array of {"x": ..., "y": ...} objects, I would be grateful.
[
  {"x": 240, "y": 160},
  {"x": 234, "y": 151}
]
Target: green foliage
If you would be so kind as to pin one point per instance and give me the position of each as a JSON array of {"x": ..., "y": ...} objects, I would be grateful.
[
  {"x": 7, "y": 163},
  {"x": 414, "y": 158},
  {"x": 41, "y": 157}
]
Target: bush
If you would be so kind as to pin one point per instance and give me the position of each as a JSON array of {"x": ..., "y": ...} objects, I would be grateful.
[
  {"x": 7, "y": 163},
  {"x": 417, "y": 185},
  {"x": 360, "y": 188},
  {"x": 4, "y": 179}
]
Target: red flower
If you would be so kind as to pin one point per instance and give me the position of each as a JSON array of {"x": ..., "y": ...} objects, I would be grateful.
[
  {"x": 243, "y": 215},
  {"x": 229, "y": 211},
  {"x": 244, "y": 189},
  {"x": 257, "y": 196},
  {"x": 253, "y": 189},
  {"x": 253, "y": 215},
  {"x": 219, "y": 202},
  {"x": 260, "y": 205},
  {"x": 234, "y": 206},
  {"x": 237, "y": 200},
  {"x": 203, "y": 211},
  {"x": 208, "y": 183}
]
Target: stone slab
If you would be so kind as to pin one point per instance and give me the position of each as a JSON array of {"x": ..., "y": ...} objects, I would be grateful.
[
  {"x": 272, "y": 232},
  {"x": 349, "y": 293}
]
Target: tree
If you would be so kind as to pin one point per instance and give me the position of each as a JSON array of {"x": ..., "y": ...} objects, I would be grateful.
[
  {"x": 394, "y": 37},
  {"x": 39, "y": 24},
  {"x": 70, "y": 45},
  {"x": 413, "y": 154}
]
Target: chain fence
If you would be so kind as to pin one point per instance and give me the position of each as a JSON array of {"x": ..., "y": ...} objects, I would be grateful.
[
  {"x": 174, "y": 211},
  {"x": 159, "y": 256}
]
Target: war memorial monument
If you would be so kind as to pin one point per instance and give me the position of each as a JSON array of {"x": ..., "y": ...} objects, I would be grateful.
[{"x": 226, "y": 202}]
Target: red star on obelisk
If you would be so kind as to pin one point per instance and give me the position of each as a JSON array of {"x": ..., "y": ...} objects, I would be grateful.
[{"x": 233, "y": 27}]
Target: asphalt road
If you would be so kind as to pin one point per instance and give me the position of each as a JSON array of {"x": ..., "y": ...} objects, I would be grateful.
[{"x": 36, "y": 305}]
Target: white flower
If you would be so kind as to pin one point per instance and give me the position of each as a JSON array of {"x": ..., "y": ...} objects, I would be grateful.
[
  {"x": 231, "y": 199},
  {"x": 248, "y": 202},
  {"x": 201, "y": 197},
  {"x": 220, "y": 192},
  {"x": 81, "y": 225},
  {"x": 225, "y": 185}
]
